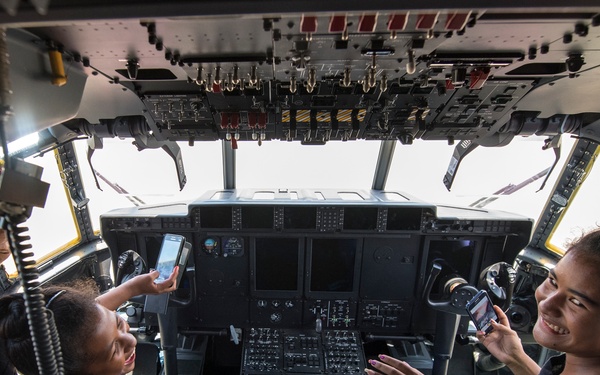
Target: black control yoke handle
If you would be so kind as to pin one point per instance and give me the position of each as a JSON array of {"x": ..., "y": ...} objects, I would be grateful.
[
  {"x": 190, "y": 274},
  {"x": 460, "y": 293}
]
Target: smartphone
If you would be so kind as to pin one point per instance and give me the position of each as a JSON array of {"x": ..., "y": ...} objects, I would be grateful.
[
  {"x": 169, "y": 256},
  {"x": 481, "y": 311}
]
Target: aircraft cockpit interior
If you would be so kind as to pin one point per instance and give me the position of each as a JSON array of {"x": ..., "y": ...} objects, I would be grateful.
[{"x": 296, "y": 140}]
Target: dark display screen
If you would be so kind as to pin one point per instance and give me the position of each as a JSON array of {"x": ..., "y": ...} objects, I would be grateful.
[
  {"x": 216, "y": 217},
  {"x": 276, "y": 264},
  {"x": 300, "y": 217},
  {"x": 257, "y": 217},
  {"x": 455, "y": 257},
  {"x": 404, "y": 218},
  {"x": 360, "y": 218},
  {"x": 332, "y": 265}
]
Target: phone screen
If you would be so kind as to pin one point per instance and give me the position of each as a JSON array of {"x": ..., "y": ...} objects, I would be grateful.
[
  {"x": 481, "y": 311},
  {"x": 169, "y": 255}
]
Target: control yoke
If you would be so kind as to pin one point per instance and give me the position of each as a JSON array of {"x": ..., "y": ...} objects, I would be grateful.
[
  {"x": 499, "y": 280},
  {"x": 457, "y": 292},
  {"x": 460, "y": 293},
  {"x": 129, "y": 265}
]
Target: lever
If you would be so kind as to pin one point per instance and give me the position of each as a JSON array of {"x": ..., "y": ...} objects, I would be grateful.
[
  {"x": 410, "y": 65},
  {"x": 234, "y": 335}
]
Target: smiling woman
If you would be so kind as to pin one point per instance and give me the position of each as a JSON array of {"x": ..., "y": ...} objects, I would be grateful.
[
  {"x": 74, "y": 312},
  {"x": 94, "y": 339},
  {"x": 568, "y": 306},
  {"x": 112, "y": 347}
]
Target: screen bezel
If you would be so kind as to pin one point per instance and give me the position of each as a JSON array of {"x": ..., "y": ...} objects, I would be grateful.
[
  {"x": 276, "y": 293},
  {"x": 356, "y": 275}
]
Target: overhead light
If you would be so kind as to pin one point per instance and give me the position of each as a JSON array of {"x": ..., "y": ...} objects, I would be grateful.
[{"x": 23, "y": 143}]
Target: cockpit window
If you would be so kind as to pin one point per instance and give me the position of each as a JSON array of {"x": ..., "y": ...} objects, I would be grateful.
[
  {"x": 125, "y": 184},
  {"x": 52, "y": 227},
  {"x": 505, "y": 178},
  {"x": 281, "y": 164},
  {"x": 500, "y": 178}
]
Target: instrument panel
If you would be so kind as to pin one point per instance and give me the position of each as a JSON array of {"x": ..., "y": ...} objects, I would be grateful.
[
  {"x": 319, "y": 265},
  {"x": 311, "y": 284}
]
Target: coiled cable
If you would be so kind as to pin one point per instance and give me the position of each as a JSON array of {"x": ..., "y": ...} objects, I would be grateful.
[{"x": 44, "y": 336}]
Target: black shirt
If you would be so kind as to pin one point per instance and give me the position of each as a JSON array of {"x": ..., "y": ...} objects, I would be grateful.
[{"x": 554, "y": 366}]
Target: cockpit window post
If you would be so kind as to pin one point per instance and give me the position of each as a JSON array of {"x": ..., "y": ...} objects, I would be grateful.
[
  {"x": 384, "y": 161},
  {"x": 228, "y": 165},
  {"x": 71, "y": 177}
]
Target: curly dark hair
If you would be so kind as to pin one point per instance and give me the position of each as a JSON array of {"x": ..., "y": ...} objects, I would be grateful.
[
  {"x": 588, "y": 244},
  {"x": 75, "y": 313}
]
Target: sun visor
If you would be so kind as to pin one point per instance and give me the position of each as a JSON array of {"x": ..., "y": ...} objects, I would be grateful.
[{"x": 37, "y": 103}]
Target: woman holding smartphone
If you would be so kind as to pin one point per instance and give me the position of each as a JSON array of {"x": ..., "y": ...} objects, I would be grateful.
[
  {"x": 94, "y": 338},
  {"x": 568, "y": 310}
]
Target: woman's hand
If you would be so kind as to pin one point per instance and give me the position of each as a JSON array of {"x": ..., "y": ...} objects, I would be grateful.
[
  {"x": 502, "y": 342},
  {"x": 391, "y": 366},
  {"x": 166, "y": 286},
  {"x": 141, "y": 284},
  {"x": 144, "y": 284}
]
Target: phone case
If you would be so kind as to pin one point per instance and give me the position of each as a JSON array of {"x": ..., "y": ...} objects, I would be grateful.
[{"x": 481, "y": 311}]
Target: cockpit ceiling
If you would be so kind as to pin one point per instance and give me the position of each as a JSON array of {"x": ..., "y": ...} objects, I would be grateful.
[{"x": 321, "y": 76}]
